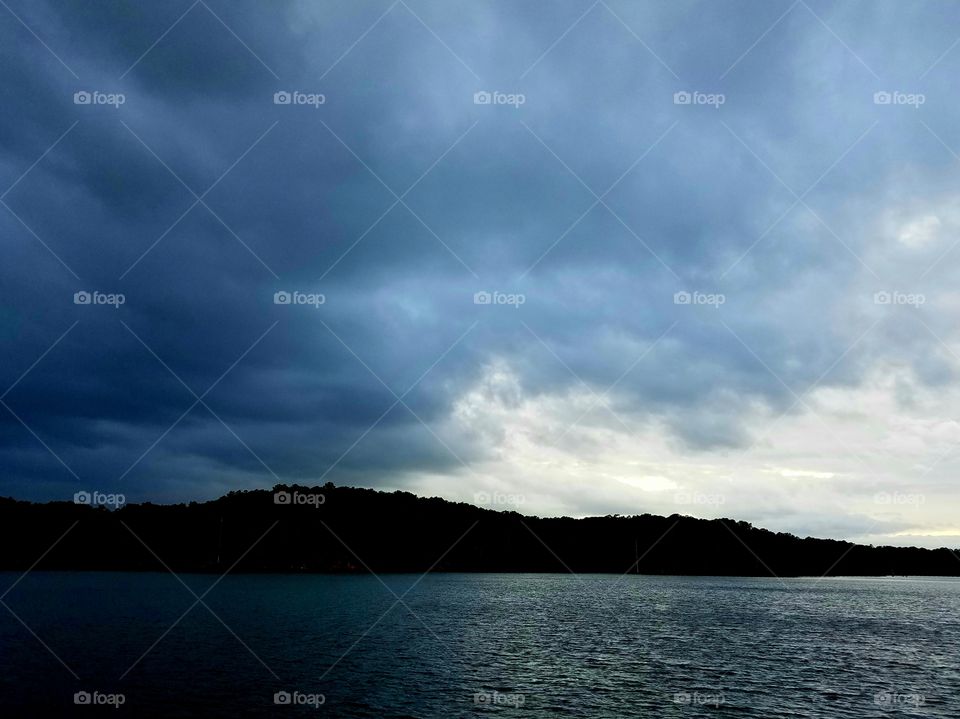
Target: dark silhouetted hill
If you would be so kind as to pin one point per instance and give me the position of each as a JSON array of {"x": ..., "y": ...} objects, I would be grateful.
[{"x": 359, "y": 530}]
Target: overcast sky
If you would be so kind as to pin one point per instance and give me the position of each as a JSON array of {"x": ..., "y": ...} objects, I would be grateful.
[{"x": 718, "y": 240}]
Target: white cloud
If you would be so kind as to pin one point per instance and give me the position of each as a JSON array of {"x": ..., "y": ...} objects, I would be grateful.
[
  {"x": 857, "y": 465},
  {"x": 920, "y": 232}
]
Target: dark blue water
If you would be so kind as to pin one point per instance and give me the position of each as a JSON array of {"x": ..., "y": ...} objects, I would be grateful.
[{"x": 480, "y": 645}]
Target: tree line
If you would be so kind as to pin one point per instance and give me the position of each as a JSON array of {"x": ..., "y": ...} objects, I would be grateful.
[{"x": 343, "y": 529}]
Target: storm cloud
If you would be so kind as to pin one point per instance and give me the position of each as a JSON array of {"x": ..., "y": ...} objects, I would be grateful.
[{"x": 614, "y": 257}]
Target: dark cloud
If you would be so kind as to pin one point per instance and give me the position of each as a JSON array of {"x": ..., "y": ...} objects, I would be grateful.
[{"x": 399, "y": 198}]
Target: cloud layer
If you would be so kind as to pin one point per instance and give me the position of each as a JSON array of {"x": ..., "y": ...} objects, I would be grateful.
[{"x": 728, "y": 232}]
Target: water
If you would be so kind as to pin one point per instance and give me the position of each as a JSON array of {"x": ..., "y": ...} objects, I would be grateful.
[{"x": 482, "y": 645}]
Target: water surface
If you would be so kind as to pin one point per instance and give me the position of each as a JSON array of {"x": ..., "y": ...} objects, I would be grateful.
[{"x": 481, "y": 645}]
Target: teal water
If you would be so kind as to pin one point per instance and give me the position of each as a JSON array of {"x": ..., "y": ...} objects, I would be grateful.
[{"x": 479, "y": 645}]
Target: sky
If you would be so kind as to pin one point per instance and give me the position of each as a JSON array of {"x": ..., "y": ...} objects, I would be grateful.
[{"x": 618, "y": 257}]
